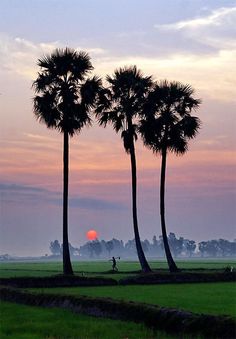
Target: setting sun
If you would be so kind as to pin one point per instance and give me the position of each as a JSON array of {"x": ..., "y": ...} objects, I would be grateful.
[{"x": 92, "y": 235}]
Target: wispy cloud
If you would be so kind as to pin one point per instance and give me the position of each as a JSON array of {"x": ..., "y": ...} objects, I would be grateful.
[
  {"x": 217, "y": 17},
  {"x": 19, "y": 55},
  {"x": 26, "y": 194},
  {"x": 95, "y": 204},
  {"x": 217, "y": 29},
  {"x": 213, "y": 75},
  {"x": 21, "y": 188}
]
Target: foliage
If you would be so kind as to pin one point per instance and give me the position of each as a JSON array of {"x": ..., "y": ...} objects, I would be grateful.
[
  {"x": 55, "y": 247},
  {"x": 180, "y": 247},
  {"x": 167, "y": 123},
  {"x": 122, "y": 102},
  {"x": 65, "y": 94},
  {"x": 60, "y": 323},
  {"x": 217, "y": 248}
]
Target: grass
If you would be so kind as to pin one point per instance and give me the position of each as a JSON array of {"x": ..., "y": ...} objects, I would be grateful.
[
  {"x": 28, "y": 322},
  {"x": 208, "y": 298},
  {"x": 102, "y": 267},
  {"x": 20, "y": 321}
]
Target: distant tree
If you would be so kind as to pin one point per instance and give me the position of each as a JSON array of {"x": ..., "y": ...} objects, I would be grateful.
[
  {"x": 166, "y": 126},
  {"x": 86, "y": 250},
  {"x": 233, "y": 248},
  {"x": 55, "y": 247},
  {"x": 226, "y": 248},
  {"x": 154, "y": 241},
  {"x": 74, "y": 251},
  {"x": 161, "y": 242},
  {"x": 120, "y": 106},
  {"x": 145, "y": 245},
  {"x": 109, "y": 246},
  {"x": 63, "y": 101},
  {"x": 190, "y": 246},
  {"x": 209, "y": 248},
  {"x": 176, "y": 245},
  {"x": 5, "y": 257},
  {"x": 96, "y": 247},
  {"x": 118, "y": 247},
  {"x": 212, "y": 248},
  {"x": 130, "y": 247},
  {"x": 202, "y": 246}
]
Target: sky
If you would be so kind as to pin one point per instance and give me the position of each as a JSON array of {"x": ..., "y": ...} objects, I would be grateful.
[{"x": 192, "y": 41}]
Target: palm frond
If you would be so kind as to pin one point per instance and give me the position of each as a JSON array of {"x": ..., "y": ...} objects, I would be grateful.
[
  {"x": 89, "y": 91},
  {"x": 65, "y": 97},
  {"x": 166, "y": 117}
]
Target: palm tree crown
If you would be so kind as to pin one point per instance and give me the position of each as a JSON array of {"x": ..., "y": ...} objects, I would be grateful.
[
  {"x": 123, "y": 101},
  {"x": 167, "y": 122},
  {"x": 65, "y": 95}
]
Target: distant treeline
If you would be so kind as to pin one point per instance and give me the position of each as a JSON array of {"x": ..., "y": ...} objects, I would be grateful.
[{"x": 180, "y": 247}]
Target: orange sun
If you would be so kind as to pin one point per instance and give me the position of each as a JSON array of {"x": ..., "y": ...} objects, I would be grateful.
[{"x": 92, "y": 235}]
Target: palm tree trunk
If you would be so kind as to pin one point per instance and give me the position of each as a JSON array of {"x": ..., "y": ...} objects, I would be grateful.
[
  {"x": 170, "y": 260},
  {"x": 142, "y": 259},
  {"x": 67, "y": 268}
]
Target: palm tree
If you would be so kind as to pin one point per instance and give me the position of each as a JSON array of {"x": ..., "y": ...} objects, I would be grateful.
[
  {"x": 121, "y": 104},
  {"x": 64, "y": 98},
  {"x": 166, "y": 126}
]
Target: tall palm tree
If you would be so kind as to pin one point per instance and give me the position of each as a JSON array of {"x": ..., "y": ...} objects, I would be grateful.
[
  {"x": 120, "y": 106},
  {"x": 63, "y": 101},
  {"x": 166, "y": 126}
]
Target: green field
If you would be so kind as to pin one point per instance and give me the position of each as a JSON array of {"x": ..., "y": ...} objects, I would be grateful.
[
  {"x": 20, "y": 321},
  {"x": 209, "y": 298},
  {"x": 102, "y": 268},
  {"x": 28, "y": 322}
]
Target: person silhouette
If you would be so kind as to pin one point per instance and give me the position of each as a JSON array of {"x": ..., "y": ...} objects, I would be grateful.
[{"x": 114, "y": 268}]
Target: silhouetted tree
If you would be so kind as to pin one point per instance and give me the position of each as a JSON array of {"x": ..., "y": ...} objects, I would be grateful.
[
  {"x": 190, "y": 246},
  {"x": 55, "y": 247},
  {"x": 154, "y": 241},
  {"x": 121, "y": 104},
  {"x": 130, "y": 247},
  {"x": 63, "y": 101},
  {"x": 145, "y": 245},
  {"x": 166, "y": 126},
  {"x": 96, "y": 247},
  {"x": 74, "y": 251},
  {"x": 202, "y": 246},
  {"x": 118, "y": 247},
  {"x": 86, "y": 250},
  {"x": 109, "y": 247},
  {"x": 176, "y": 244}
]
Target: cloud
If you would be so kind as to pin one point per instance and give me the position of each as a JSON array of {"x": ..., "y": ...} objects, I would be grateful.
[
  {"x": 95, "y": 204},
  {"x": 212, "y": 75},
  {"x": 217, "y": 17},
  {"x": 216, "y": 30},
  {"x": 16, "y": 188},
  {"x": 26, "y": 195},
  {"x": 20, "y": 56}
]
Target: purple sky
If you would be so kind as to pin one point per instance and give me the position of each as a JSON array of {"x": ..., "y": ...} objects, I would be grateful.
[{"x": 189, "y": 41}]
